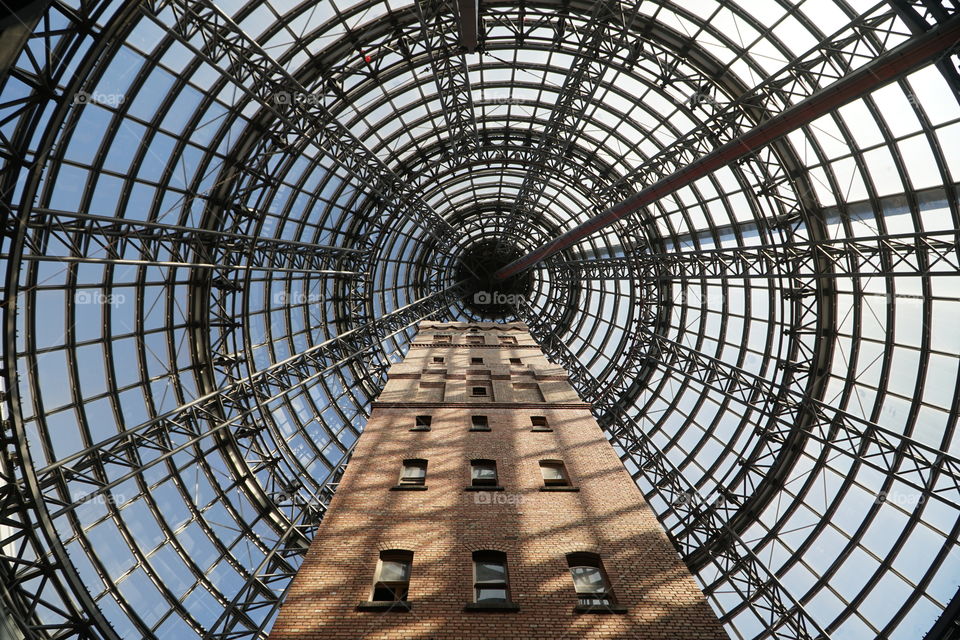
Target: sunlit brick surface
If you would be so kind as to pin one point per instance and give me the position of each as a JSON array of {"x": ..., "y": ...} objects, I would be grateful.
[{"x": 445, "y": 523}]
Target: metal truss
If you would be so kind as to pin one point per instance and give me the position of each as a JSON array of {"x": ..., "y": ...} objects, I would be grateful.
[
  {"x": 307, "y": 125},
  {"x": 859, "y": 42},
  {"x": 608, "y": 34},
  {"x": 106, "y": 240},
  {"x": 896, "y": 255},
  {"x": 222, "y": 43},
  {"x": 263, "y": 590},
  {"x": 441, "y": 29}
]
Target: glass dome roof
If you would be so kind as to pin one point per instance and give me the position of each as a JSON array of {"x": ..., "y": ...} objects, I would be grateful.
[{"x": 223, "y": 221}]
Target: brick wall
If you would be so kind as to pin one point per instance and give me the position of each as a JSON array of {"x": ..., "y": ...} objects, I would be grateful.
[{"x": 445, "y": 523}]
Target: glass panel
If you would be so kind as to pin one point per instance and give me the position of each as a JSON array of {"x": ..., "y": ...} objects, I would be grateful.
[
  {"x": 552, "y": 472},
  {"x": 394, "y": 571},
  {"x": 491, "y": 594},
  {"x": 588, "y": 580},
  {"x": 491, "y": 571},
  {"x": 484, "y": 472},
  {"x": 414, "y": 472}
]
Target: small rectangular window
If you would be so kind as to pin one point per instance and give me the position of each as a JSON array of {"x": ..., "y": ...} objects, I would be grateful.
[
  {"x": 515, "y": 361},
  {"x": 414, "y": 473},
  {"x": 441, "y": 338},
  {"x": 554, "y": 473},
  {"x": 507, "y": 340},
  {"x": 437, "y": 360},
  {"x": 490, "y": 585},
  {"x": 479, "y": 391},
  {"x": 392, "y": 581},
  {"x": 422, "y": 423},
  {"x": 476, "y": 360},
  {"x": 479, "y": 423},
  {"x": 483, "y": 473},
  {"x": 474, "y": 339},
  {"x": 538, "y": 421}
]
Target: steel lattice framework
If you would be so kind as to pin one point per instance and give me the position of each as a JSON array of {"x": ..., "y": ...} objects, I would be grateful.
[{"x": 222, "y": 222}]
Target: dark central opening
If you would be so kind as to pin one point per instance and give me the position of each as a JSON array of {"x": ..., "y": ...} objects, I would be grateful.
[{"x": 486, "y": 296}]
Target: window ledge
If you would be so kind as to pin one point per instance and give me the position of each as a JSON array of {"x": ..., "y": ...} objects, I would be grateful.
[
  {"x": 420, "y": 429},
  {"x": 480, "y": 429},
  {"x": 409, "y": 487},
  {"x": 483, "y": 488},
  {"x": 560, "y": 488},
  {"x": 600, "y": 608},
  {"x": 393, "y": 605},
  {"x": 492, "y": 607}
]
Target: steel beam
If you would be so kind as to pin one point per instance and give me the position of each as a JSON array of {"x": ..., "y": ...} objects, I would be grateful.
[
  {"x": 885, "y": 68},
  {"x": 443, "y": 31},
  {"x": 103, "y": 239},
  {"x": 468, "y": 21},
  {"x": 903, "y": 255},
  {"x": 187, "y": 422}
]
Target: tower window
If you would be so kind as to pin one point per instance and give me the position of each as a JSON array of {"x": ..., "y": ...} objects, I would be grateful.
[
  {"x": 507, "y": 340},
  {"x": 515, "y": 361},
  {"x": 479, "y": 391},
  {"x": 414, "y": 473},
  {"x": 539, "y": 423},
  {"x": 441, "y": 338},
  {"x": 479, "y": 423},
  {"x": 422, "y": 423},
  {"x": 476, "y": 360},
  {"x": 437, "y": 359},
  {"x": 490, "y": 585},
  {"x": 392, "y": 581},
  {"x": 590, "y": 580},
  {"x": 483, "y": 473},
  {"x": 554, "y": 473},
  {"x": 474, "y": 339}
]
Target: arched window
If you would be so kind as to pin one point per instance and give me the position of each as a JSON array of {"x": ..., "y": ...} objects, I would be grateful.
[
  {"x": 392, "y": 580},
  {"x": 590, "y": 580}
]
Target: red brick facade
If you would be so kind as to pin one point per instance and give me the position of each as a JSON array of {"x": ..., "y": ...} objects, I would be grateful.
[{"x": 602, "y": 512}]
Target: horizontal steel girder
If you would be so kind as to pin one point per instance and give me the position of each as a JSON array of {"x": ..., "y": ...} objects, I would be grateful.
[
  {"x": 102, "y": 239},
  {"x": 898, "y": 255}
]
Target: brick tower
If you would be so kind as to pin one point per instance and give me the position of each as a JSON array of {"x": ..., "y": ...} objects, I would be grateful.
[{"x": 483, "y": 501}]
